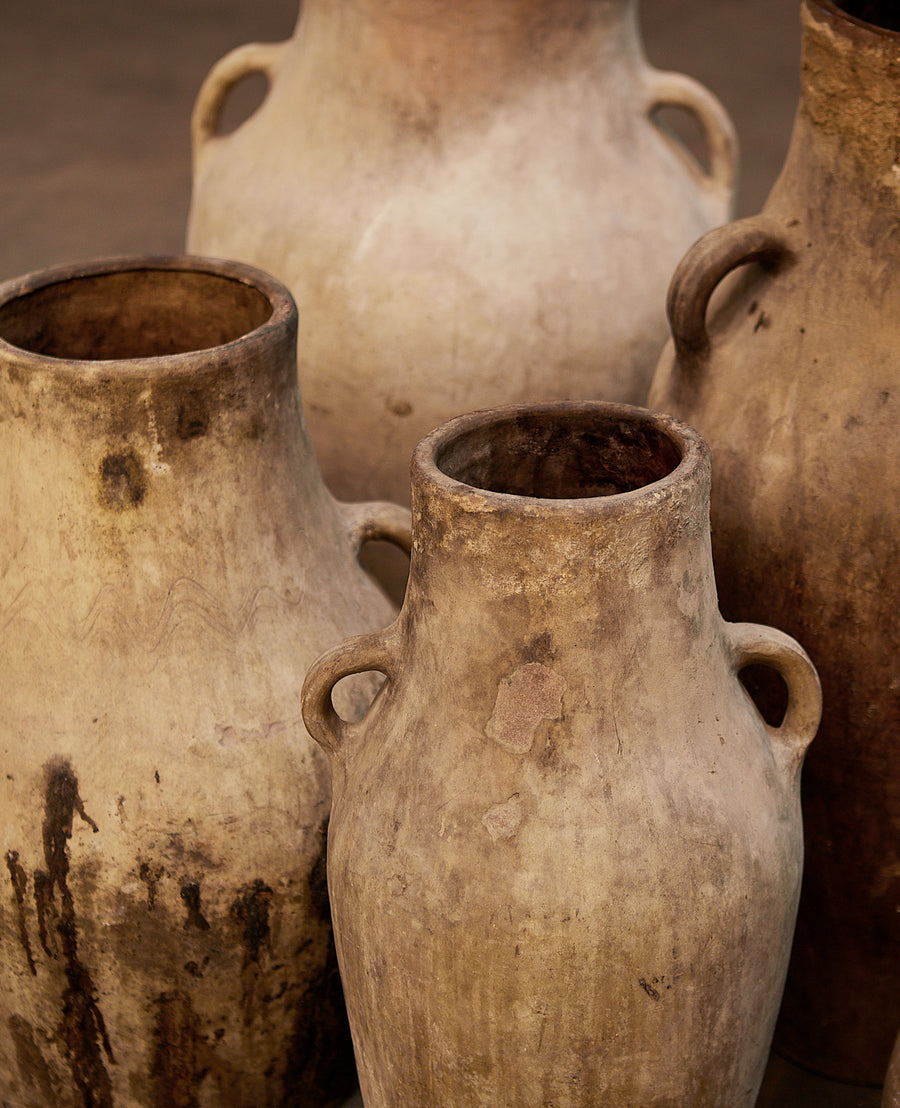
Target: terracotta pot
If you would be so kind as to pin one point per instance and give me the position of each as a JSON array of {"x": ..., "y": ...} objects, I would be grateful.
[
  {"x": 565, "y": 850},
  {"x": 792, "y": 375},
  {"x": 171, "y": 562},
  {"x": 471, "y": 203}
]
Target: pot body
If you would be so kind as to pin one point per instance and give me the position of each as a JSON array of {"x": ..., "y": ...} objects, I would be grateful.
[
  {"x": 792, "y": 377},
  {"x": 171, "y": 563},
  {"x": 565, "y": 850},
  {"x": 471, "y": 203}
]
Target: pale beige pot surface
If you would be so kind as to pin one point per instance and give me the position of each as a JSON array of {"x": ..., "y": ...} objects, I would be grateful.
[
  {"x": 470, "y": 202},
  {"x": 171, "y": 563},
  {"x": 891, "y": 1097},
  {"x": 793, "y": 377},
  {"x": 565, "y": 851}
]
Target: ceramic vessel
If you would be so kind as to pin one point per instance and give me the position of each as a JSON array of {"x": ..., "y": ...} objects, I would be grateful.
[
  {"x": 171, "y": 562},
  {"x": 471, "y": 203},
  {"x": 784, "y": 356},
  {"x": 565, "y": 850}
]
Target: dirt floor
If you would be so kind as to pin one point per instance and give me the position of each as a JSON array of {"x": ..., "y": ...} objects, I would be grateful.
[{"x": 95, "y": 101}]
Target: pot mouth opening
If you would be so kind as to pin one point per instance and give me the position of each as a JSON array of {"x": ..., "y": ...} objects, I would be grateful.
[
  {"x": 132, "y": 313},
  {"x": 559, "y": 452},
  {"x": 881, "y": 15}
]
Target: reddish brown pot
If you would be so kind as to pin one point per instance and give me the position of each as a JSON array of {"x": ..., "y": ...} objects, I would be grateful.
[
  {"x": 794, "y": 379},
  {"x": 564, "y": 855},
  {"x": 170, "y": 562}
]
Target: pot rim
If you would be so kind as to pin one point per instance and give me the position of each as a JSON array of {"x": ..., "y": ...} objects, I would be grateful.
[
  {"x": 850, "y": 24},
  {"x": 694, "y": 451},
  {"x": 283, "y": 313}
]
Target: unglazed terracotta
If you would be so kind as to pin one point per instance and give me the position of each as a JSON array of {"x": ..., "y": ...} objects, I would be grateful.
[
  {"x": 171, "y": 563},
  {"x": 792, "y": 375},
  {"x": 565, "y": 850},
  {"x": 471, "y": 203}
]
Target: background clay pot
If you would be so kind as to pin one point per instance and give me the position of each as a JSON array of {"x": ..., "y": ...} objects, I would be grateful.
[
  {"x": 470, "y": 202},
  {"x": 565, "y": 850},
  {"x": 171, "y": 562},
  {"x": 792, "y": 376}
]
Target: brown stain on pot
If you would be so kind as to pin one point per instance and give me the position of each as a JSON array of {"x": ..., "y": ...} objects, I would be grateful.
[
  {"x": 190, "y": 894},
  {"x": 82, "y": 1029},
  {"x": 123, "y": 483},
  {"x": 179, "y": 1054},
  {"x": 19, "y": 879},
  {"x": 250, "y": 912}
]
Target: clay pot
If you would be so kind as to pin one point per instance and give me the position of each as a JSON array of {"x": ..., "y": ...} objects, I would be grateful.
[
  {"x": 565, "y": 850},
  {"x": 471, "y": 203},
  {"x": 792, "y": 376},
  {"x": 171, "y": 562}
]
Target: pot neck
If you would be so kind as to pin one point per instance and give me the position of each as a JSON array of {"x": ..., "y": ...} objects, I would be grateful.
[
  {"x": 847, "y": 121},
  {"x": 440, "y": 50},
  {"x": 636, "y": 563}
]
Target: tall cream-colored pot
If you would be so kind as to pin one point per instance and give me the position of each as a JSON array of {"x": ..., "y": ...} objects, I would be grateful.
[
  {"x": 170, "y": 563},
  {"x": 470, "y": 202},
  {"x": 786, "y": 330},
  {"x": 565, "y": 851}
]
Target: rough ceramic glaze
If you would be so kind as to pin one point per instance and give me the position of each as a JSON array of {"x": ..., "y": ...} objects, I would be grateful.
[
  {"x": 470, "y": 202},
  {"x": 793, "y": 377},
  {"x": 171, "y": 562},
  {"x": 565, "y": 850}
]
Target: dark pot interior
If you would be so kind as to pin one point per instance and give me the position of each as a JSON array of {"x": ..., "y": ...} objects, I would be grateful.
[
  {"x": 879, "y": 13},
  {"x": 139, "y": 313},
  {"x": 556, "y": 455}
]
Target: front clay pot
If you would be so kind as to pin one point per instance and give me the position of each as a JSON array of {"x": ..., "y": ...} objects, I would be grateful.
[
  {"x": 793, "y": 377},
  {"x": 171, "y": 563},
  {"x": 471, "y": 203},
  {"x": 565, "y": 850}
]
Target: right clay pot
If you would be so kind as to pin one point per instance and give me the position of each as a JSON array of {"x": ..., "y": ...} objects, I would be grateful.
[{"x": 786, "y": 332}]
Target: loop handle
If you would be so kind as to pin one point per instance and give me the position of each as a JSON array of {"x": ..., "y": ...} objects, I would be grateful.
[
  {"x": 378, "y": 520},
  {"x": 669, "y": 89},
  {"x": 361, "y": 654},
  {"x": 255, "y": 57},
  {"x": 754, "y": 643}
]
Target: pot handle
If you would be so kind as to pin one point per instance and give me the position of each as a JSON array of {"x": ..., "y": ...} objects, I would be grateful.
[
  {"x": 255, "y": 57},
  {"x": 378, "y": 519},
  {"x": 754, "y": 643},
  {"x": 666, "y": 88},
  {"x": 361, "y": 654},
  {"x": 701, "y": 270}
]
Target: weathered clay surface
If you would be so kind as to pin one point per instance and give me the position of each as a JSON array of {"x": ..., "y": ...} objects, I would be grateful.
[
  {"x": 170, "y": 562},
  {"x": 565, "y": 850},
  {"x": 891, "y": 1097},
  {"x": 793, "y": 378},
  {"x": 470, "y": 202}
]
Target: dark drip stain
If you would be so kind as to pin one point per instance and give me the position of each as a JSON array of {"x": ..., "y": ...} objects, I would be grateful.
[
  {"x": 19, "y": 880},
  {"x": 46, "y": 908},
  {"x": 190, "y": 894},
  {"x": 123, "y": 483},
  {"x": 179, "y": 1055},
  {"x": 250, "y": 911},
  {"x": 318, "y": 880},
  {"x": 151, "y": 878},
  {"x": 82, "y": 1029}
]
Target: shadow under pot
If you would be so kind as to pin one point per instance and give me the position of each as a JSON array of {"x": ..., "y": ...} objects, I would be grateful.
[
  {"x": 563, "y": 838},
  {"x": 171, "y": 563}
]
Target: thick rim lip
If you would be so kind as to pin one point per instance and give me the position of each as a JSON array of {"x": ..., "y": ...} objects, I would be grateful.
[
  {"x": 827, "y": 9},
  {"x": 694, "y": 450},
  {"x": 284, "y": 310}
]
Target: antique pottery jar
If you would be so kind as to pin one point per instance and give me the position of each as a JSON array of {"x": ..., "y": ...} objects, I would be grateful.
[
  {"x": 792, "y": 376},
  {"x": 171, "y": 563},
  {"x": 471, "y": 203},
  {"x": 565, "y": 849}
]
